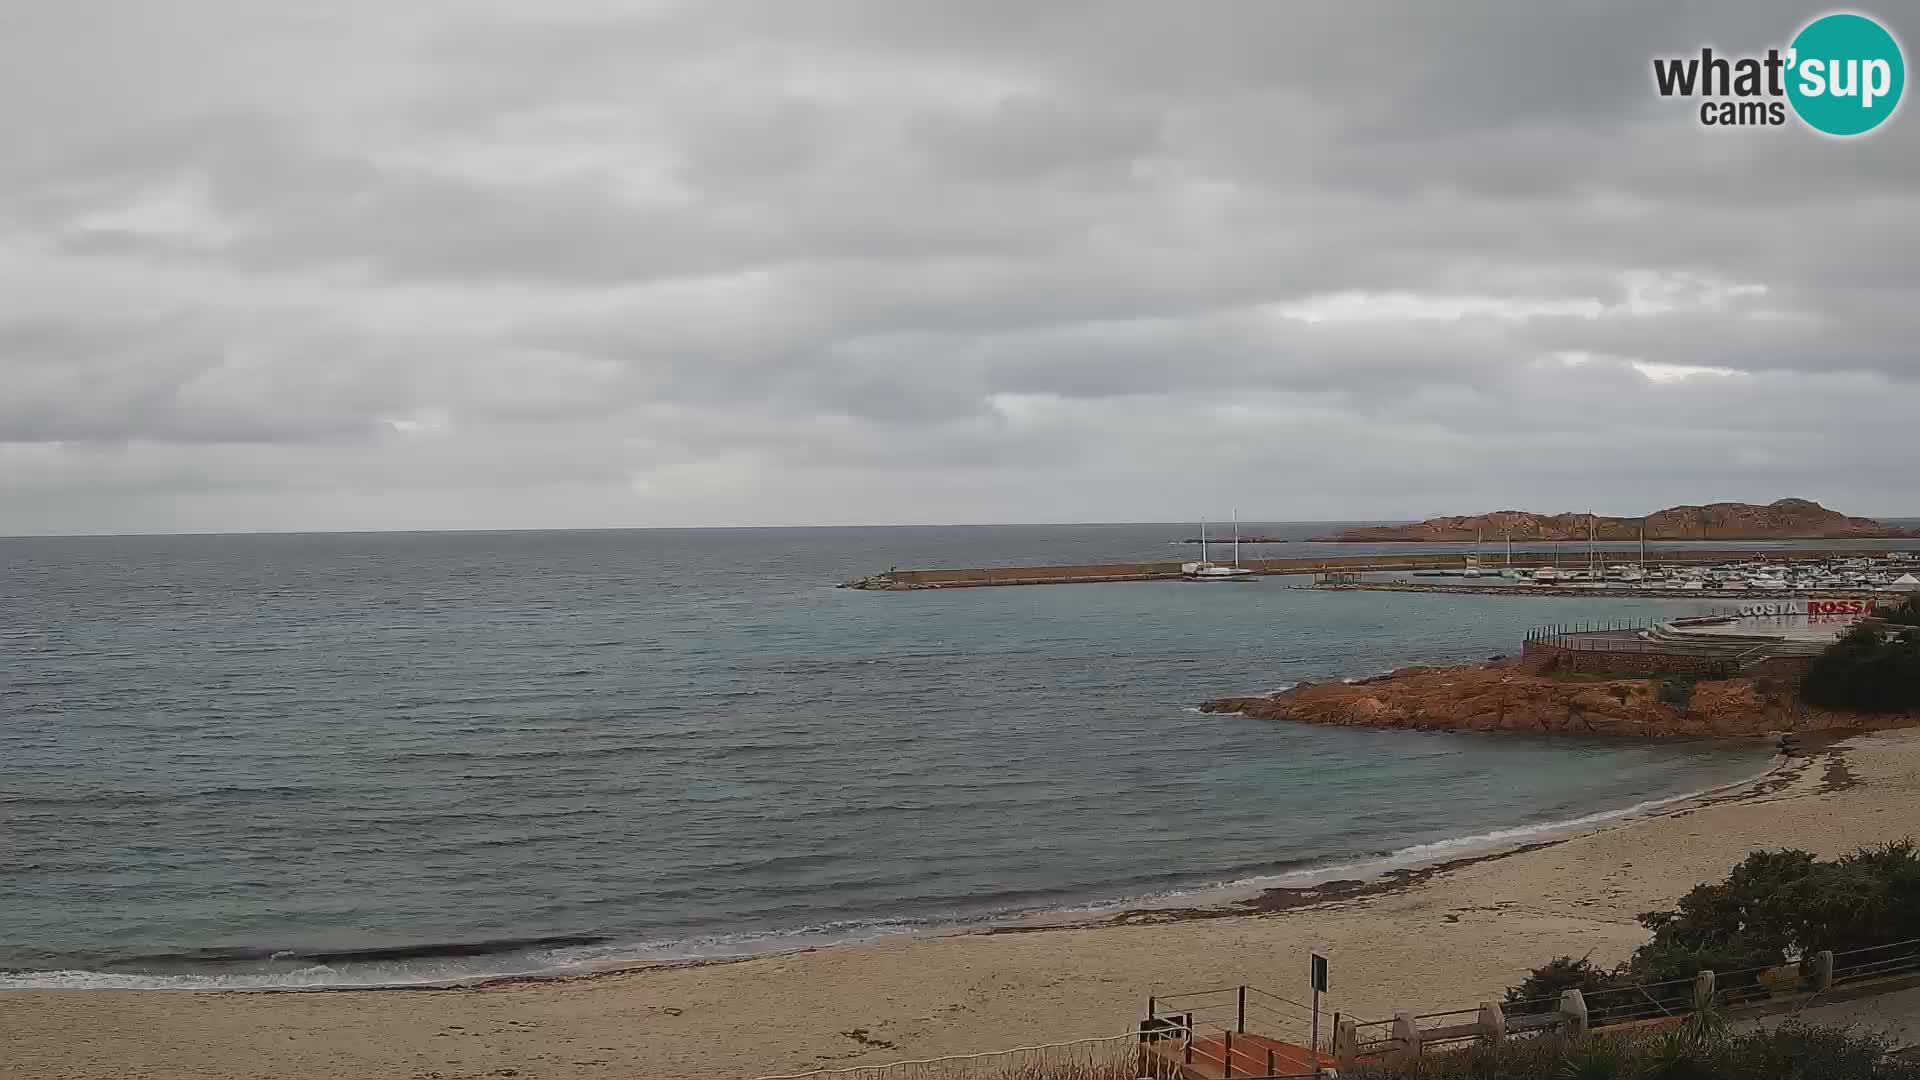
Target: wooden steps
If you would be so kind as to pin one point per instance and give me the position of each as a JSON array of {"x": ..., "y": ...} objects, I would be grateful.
[{"x": 1249, "y": 1057}]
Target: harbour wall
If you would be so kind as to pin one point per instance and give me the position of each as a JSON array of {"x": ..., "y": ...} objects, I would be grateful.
[{"x": 1646, "y": 662}]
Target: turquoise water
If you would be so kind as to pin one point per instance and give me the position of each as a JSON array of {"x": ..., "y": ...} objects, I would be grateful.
[{"x": 350, "y": 759}]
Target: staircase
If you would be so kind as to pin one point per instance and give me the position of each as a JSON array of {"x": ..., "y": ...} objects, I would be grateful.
[{"x": 1232, "y": 1032}]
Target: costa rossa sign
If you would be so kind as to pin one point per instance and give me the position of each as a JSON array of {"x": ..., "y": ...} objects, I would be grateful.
[
  {"x": 1774, "y": 607},
  {"x": 1839, "y": 607},
  {"x": 1816, "y": 606}
]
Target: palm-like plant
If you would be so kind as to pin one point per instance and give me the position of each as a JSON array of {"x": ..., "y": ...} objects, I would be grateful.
[{"x": 1599, "y": 1059}]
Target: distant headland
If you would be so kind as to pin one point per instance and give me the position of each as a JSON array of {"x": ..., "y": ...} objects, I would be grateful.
[{"x": 1786, "y": 519}]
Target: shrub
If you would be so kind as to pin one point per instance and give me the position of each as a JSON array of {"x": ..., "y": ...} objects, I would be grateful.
[
  {"x": 1871, "y": 668},
  {"x": 1540, "y": 991},
  {"x": 1677, "y": 690},
  {"x": 1773, "y": 906}
]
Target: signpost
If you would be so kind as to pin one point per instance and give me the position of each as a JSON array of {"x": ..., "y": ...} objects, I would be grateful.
[{"x": 1319, "y": 987}]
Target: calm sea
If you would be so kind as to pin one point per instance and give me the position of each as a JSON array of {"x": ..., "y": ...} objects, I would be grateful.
[{"x": 389, "y": 758}]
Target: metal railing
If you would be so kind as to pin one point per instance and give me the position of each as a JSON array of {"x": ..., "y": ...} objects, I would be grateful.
[
  {"x": 1231, "y": 1031},
  {"x": 1237, "y": 1031},
  {"x": 1896, "y": 959},
  {"x": 1795, "y": 984}
]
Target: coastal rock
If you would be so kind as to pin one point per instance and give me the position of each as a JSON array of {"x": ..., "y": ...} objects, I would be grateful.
[
  {"x": 1506, "y": 696},
  {"x": 1785, "y": 519}
]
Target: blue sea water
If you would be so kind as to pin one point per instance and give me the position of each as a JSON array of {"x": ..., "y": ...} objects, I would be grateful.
[{"x": 344, "y": 759}]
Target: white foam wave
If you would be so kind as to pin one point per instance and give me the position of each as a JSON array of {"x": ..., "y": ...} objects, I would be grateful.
[
  {"x": 1486, "y": 843},
  {"x": 540, "y": 963},
  {"x": 588, "y": 959}
]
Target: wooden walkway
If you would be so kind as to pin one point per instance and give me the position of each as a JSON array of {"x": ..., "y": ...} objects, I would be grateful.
[{"x": 1251, "y": 1056}]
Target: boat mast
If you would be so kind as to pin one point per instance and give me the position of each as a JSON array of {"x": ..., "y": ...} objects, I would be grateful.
[
  {"x": 1643, "y": 544},
  {"x": 1236, "y": 538},
  {"x": 1203, "y": 541}
]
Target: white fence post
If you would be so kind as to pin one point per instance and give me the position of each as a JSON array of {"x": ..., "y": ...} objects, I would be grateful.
[
  {"x": 1346, "y": 1043},
  {"x": 1823, "y": 971},
  {"x": 1493, "y": 1022},
  {"x": 1573, "y": 1013},
  {"x": 1406, "y": 1031}
]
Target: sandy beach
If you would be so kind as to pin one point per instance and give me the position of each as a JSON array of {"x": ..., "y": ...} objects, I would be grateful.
[{"x": 1440, "y": 939}]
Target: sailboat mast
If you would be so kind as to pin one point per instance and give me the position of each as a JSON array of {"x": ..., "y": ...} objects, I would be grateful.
[
  {"x": 1236, "y": 539},
  {"x": 1643, "y": 545},
  {"x": 1203, "y": 541}
]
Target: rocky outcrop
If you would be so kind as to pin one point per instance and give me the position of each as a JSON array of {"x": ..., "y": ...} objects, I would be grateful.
[
  {"x": 1787, "y": 519},
  {"x": 1504, "y": 695}
]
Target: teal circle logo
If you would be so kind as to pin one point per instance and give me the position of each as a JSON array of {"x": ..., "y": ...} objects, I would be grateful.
[{"x": 1845, "y": 74}]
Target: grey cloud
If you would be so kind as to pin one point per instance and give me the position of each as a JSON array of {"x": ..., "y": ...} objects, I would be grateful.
[{"x": 677, "y": 264}]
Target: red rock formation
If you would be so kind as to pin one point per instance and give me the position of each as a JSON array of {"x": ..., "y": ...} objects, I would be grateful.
[
  {"x": 1787, "y": 519},
  {"x": 1505, "y": 696}
]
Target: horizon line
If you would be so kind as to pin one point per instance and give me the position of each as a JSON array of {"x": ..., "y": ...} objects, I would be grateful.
[{"x": 1884, "y": 518}]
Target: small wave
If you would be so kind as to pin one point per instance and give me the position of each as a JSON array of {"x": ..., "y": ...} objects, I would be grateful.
[
  {"x": 1485, "y": 843},
  {"x": 365, "y": 955},
  {"x": 351, "y": 969}
]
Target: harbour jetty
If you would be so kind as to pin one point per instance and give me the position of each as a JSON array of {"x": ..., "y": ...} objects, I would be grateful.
[{"x": 897, "y": 580}]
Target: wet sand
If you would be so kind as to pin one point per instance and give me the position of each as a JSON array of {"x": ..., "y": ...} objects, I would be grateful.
[{"x": 1429, "y": 939}]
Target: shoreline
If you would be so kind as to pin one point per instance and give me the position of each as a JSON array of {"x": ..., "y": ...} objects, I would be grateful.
[
  {"x": 1324, "y": 883},
  {"x": 1444, "y": 936}
]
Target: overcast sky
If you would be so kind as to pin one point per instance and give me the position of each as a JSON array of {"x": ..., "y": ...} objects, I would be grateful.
[{"x": 436, "y": 264}]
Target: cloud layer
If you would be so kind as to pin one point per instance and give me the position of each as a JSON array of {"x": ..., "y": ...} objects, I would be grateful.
[{"x": 367, "y": 265}]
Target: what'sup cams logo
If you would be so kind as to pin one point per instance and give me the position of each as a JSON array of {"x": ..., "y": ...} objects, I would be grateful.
[{"x": 1842, "y": 75}]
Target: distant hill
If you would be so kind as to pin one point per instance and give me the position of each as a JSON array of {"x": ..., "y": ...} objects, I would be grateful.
[{"x": 1787, "y": 519}]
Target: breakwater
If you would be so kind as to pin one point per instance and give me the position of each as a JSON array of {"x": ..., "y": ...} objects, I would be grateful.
[{"x": 897, "y": 580}]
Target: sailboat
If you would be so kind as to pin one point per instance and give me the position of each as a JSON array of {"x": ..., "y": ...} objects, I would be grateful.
[
  {"x": 1637, "y": 574},
  {"x": 1205, "y": 570},
  {"x": 1508, "y": 571}
]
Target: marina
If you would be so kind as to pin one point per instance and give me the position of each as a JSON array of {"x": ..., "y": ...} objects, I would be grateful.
[{"x": 1684, "y": 573}]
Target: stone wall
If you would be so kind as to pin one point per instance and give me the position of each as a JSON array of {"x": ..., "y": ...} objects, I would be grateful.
[{"x": 1546, "y": 655}]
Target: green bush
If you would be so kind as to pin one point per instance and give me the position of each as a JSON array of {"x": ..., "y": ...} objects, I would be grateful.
[
  {"x": 1540, "y": 991},
  {"x": 1790, "y": 1052},
  {"x": 1775, "y": 905},
  {"x": 1677, "y": 690},
  {"x": 1871, "y": 668}
]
